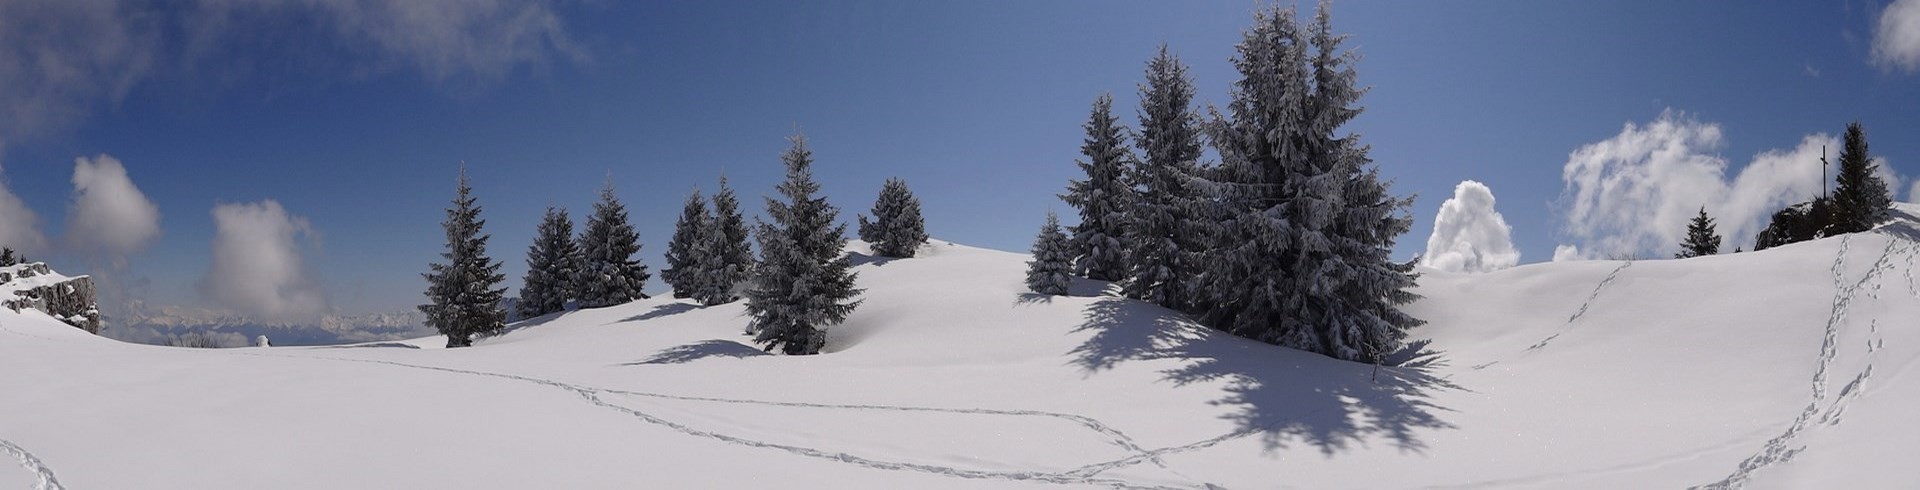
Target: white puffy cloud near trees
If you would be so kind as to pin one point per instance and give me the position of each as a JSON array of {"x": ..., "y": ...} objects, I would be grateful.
[{"x": 1469, "y": 235}]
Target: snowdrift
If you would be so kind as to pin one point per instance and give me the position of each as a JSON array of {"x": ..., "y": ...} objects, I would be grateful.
[{"x": 1786, "y": 368}]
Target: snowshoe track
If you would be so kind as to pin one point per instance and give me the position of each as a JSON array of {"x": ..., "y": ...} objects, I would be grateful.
[{"x": 32, "y": 464}]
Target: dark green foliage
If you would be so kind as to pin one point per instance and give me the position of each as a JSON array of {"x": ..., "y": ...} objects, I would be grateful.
[
  {"x": 463, "y": 298},
  {"x": 610, "y": 272},
  {"x": 805, "y": 282},
  {"x": 552, "y": 263},
  {"x": 727, "y": 258},
  {"x": 685, "y": 249},
  {"x": 1860, "y": 198},
  {"x": 1797, "y": 223},
  {"x": 7, "y": 258},
  {"x": 1164, "y": 231},
  {"x": 897, "y": 229},
  {"x": 1050, "y": 271},
  {"x": 1701, "y": 238},
  {"x": 1103, "y": 198}
]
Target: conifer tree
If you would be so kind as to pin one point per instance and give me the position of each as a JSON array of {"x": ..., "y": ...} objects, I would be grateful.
[
  {"x": 1050, "y": 271},
  {"x": 1103, "y": 198},
  {"x": 552, "y": 263},
  {"x": 727, "y": 258},
  {"x": 1701, "y": 238},
  {"x": 610, "y": 273},
  {"x": 804, "y": 282},
  {"x": 685, "y": 249},
  {"x": 1860, "y": 198},
  {"x": 7, "y": 258},
  {"x": 897, "y": 229},
  {"x": 462, "y": 293},
  {"x": 1164, "y": 231}
]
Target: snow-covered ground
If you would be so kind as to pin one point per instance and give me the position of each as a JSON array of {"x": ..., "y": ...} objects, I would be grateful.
[{"x": 1787, "y": 368}]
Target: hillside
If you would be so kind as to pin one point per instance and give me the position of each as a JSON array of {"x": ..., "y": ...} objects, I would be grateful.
[{"x": 1774, "y": 369}]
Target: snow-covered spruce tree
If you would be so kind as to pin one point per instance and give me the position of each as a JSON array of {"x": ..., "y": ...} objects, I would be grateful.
[
  {"x": 1303, "y": 255},
  {"x": 1163, "y": 233},
  {"x": 1860, "y": 198},
  {"x": 462, "y": 296},
  {"x": 552, "y": 264},
  {"x": 804, "y": 283},
  {"x": 1701, "y": 238},
  {"x": 897, "y": 229},
  {"x": 1050, "y": 271},
  {"x": 726, "y": 259},
  {"x": 1103, "y": 198},
  {"x": 685, "y": 249},
  {"x": 7, "y": 258},
  {"x": 609, "y": 272}
]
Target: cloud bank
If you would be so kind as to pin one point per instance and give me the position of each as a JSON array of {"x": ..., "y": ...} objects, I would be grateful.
[
  {"x": 1469, "y": 235},
  {"x": 19, "y": 226},
  {"x": 257, "y": 266},
  {"x": 109, "y": 217},
  {"x": 1632, "y": 194},
  {"x": 1896, "y": 38}
]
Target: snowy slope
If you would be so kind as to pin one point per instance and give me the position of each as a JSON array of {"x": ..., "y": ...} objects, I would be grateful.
[{"x": 1785, "y": 368}]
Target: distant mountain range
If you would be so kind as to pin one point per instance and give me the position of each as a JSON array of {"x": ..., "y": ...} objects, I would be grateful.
[{"x": 140, "y": 322}]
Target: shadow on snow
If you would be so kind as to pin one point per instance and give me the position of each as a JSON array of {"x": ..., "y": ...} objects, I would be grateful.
[
  {"x": 1285, "y": 395},
  {"x": 700, "y": 350},
  {"x": 662, "y": 310}
]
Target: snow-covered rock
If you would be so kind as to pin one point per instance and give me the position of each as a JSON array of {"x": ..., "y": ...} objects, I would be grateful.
[{"x": 34, "y": 285}]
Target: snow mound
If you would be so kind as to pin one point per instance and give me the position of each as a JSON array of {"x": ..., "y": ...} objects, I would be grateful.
[{"x": 1778, "y": 369}]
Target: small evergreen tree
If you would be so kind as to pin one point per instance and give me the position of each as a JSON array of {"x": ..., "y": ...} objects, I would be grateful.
[
  {"x": 897, "y": 229},
  {"x": 1701, "y": 238},
  {"x": 1860, "y": 198},
  {"x": 7, "y": 258},
  {"x": 1050, "y": 271},
  {"x": 727, "y": 258},
  {"x": 1103, "y": 198},
  {"x": 685, "y": 249},
  {"x": 1163, "y": 231},
  {"x": 552, "y": 264},
  {"x": 462, "y": 298},
  {"x": 804, "y": 283},
  {"x": 610, "y": 274}
]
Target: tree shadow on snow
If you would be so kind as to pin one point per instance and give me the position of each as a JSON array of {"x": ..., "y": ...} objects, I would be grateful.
[
  {"x": 373, "y": 345},
  {"x": 859, "y": 259},
  {"x": 1284, "y": 395},
  {"x": 1902, "y": 225},
  {"x": 700, "y": 350},
  {"x": 663, "y": 310}
]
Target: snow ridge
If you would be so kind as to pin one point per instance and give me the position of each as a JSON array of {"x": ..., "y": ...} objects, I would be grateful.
[
  {"x": 1078, "y": 476},
  {"x": 33, "y": 464},
  {"x": 1780, "y": 448}
]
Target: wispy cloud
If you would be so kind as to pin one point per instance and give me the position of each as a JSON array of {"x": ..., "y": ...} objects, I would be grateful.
[
  {"x": 1469, "y": 235},
  {"x": 1896, "y": 38},
  {"x": 19, "y": 226},
  {"x": 109, "y": 218},
  {"x": 257, "y": 265},
  {"x": 1632, "y": 194}
]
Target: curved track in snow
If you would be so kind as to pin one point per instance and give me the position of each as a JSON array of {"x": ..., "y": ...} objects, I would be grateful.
[
  {"x": 1079, "y": 476},
  {"x": 32, "y": 464}
]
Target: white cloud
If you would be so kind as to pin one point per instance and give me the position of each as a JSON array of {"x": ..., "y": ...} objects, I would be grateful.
[
  {"x": 19, "y": 226},
  {"x": 1564, "y": 253},
  {"x": 60, "y": 59},
  {"x": 1913, "y": 195},
  {"x": 1896, "y": 39},
  {"x": 1631, "y": 195},
  {"x": 109, "y": 217},
  {"x": 1469, "y": 235},
  {"x": 257, "y": 264}
]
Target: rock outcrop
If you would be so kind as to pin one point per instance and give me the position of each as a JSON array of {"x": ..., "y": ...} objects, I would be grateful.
[{"x": 34, "y": 285}]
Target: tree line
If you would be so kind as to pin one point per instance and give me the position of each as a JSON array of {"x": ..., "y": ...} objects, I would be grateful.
[{"x": 1860, "y": 200}]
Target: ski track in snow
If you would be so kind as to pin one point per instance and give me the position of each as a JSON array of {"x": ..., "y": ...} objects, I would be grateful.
[
  {"x": 1781, "y": 449},
  {"x": 32, "y": 464},
  {"x": 1080, "y": 476}
]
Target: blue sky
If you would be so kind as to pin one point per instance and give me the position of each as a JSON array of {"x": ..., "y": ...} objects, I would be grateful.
[{"x": 357, "y": 126}]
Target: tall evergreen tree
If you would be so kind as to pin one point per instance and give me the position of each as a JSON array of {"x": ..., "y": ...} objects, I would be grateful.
[
  {"x": 462, "y": 293},
  {"x": 685, "y": 249},
  {"x": 1164, "y": 231},
  {"x": 1701, "y": 238},
  {"x": 897, "y": 229},
  {"x": 1860, "y": 198},
  {"x": 1302, "y": 258},
  {"x": 610, "y": 272},
  {"x": 1050, "y": 271},
  {"x": 804, "y": 283},
  {"x": 1103, "y": 198},
  {"x": 7, "y": 258},
  {"x": 727, "y": 258},
  {"x": 552, "y": 263}
]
